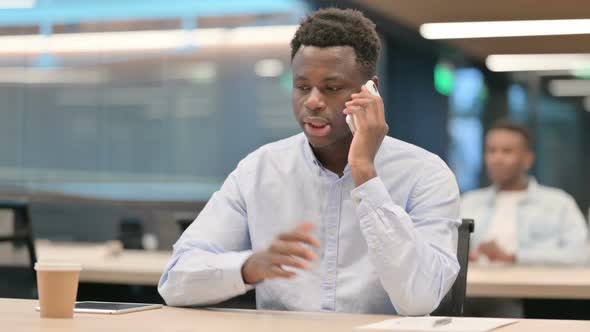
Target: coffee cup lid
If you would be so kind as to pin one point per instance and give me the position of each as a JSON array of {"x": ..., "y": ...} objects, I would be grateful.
[{"x": 57, "y": 266}]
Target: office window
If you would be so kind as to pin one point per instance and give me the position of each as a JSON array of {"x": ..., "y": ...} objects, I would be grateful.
[
  {"x": 465, "y": 127},
  {"x": 518, "y": 104},
  {"x": 150, "y": 125}
]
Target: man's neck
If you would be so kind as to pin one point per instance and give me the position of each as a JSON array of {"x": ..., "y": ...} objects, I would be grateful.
[
  {"x": 519, "y": 184},
  {"x": 334, "y": 157}
]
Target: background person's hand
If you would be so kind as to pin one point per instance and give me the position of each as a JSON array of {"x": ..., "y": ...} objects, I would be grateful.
[
  {"x": 495, "y": 253},
  {"x": 287, "y": 249},
  {"x": 474, "y": 256}
]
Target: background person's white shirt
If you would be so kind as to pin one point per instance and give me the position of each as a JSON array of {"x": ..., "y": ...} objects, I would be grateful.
[
  {"x": 502, "y": 229},
  {"x": 551, "y": 229}
]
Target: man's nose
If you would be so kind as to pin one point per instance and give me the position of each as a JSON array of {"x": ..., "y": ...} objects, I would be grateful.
[
  {"x": 496, "y": 159},
  {"x": 315, "y": 100}
]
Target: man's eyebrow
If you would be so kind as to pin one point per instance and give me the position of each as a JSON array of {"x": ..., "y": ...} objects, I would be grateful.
[
  {"x": 329, "y": 78},
  {"x": 335, "y": 78}
]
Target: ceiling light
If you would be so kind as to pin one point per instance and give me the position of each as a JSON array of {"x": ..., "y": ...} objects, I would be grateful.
[
  {"x": 537, "y": 62},
  {"x": 269, "y": 68},
  {"x": 202, "y": 72},
  {"x": 455, "y": 30},
  {"x": 51, "y": 76},
  {"x": 569, "y": 88},
  {"x": 129, "y": 41},
  {"x": 581, "y": 73},
  {"x": 17, "y": 4}
]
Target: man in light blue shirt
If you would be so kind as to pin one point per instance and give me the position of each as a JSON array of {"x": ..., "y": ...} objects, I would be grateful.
[
  {"x": 326, "y": 220},
  {"x": 518, "y": 220}
]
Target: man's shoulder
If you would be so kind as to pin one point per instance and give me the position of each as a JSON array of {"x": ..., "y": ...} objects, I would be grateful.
[
  {"x": 268, "y": 151},
  {"x": 552, "y": 194},
  {"x": 278, "y": 147},
  {"x": 292, "y": 142},
  {"x": 477, "y": 195},
  {"x": 391, "y": 144},
  {"x": 395, "y": 150}
]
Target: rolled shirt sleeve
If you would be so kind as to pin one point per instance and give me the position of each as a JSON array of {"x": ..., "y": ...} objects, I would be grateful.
[
  {"x": 413, "y": 251},
  {"x": 207, "y": 260}
]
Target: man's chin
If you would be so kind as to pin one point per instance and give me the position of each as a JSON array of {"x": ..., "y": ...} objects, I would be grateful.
[
  {"x": 318, "y": 142},
  {"x": 326, "y": 141},
  {"x": 500, "y": 180}
]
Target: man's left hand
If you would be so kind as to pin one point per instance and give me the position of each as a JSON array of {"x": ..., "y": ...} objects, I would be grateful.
[{"x": 371, "y": 128}]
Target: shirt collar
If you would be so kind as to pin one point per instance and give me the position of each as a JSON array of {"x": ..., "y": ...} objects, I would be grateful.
[
  {"x": 532, "y": 187},
  {"x": 313, "y": 161},
  {"x": 309, "y": 156}
]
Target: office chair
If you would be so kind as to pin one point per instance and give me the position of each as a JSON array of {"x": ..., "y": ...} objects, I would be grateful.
[
  {"x": 131, "y": 233},
  {"x": 183, "y": 224},
  {"x": 452, "y": 303},
  {"x": 19, "y": 281}
]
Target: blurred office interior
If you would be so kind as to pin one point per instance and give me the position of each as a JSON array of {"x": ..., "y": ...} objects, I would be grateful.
[{"x": 119, "y": 119}]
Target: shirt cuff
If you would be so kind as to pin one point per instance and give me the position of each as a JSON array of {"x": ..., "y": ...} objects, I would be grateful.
[
  {"x": 233, "y": 269},
  {"x": 370, "y": 196}
]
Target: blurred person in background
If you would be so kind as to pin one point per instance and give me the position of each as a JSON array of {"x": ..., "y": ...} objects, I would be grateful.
[
  {"x": 517, "y": 220},
  {"x": 324, "y": 220}
]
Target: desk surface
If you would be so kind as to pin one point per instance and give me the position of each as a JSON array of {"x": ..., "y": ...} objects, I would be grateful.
[
  {"x": 529, "y": 282},
  {"x": 145, "y": 268},
  {"x": 20, "y": 315}
]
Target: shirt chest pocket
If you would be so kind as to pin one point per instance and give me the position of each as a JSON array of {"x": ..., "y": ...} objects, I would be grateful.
[{"x": 543, "y": 224}]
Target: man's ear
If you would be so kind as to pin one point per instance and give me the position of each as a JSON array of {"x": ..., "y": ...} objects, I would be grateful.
[
  {"x": 375, "y": 80},
  {"x": 529, "y": 160}
]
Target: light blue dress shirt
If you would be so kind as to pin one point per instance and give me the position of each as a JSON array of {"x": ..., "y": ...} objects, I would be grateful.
[
  {"x": 388, "y": 246},
  {"x": 550, "y": 229}
]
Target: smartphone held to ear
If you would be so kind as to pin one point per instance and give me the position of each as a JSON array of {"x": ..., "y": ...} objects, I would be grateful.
[{"x": 350, "y": 117}]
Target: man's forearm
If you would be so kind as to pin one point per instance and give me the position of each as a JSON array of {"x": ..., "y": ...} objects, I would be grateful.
[
  {"x": 412, "y": 267},
  {"x": 362, "y": 173},
  {"x": 413, "y": 273},
  {"x": 199, "y": 277}
]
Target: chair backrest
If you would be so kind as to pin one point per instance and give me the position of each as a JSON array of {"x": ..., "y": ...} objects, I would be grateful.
[
  {"x": 131, "y": 233},
  {"x": 183, "y": 224},
  {"x": 452, "y": 303},
  {"x": 21, "y": 280}
]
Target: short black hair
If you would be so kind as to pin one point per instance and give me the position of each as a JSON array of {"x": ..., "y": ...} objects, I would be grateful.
[
  {"x": 523, "y": 131},
  {"x": 341, "y": 27}
]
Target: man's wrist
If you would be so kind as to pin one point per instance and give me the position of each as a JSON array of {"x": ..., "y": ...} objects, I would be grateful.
[
  {"x": 511, "y": 258},
  {"x": 246, "y": 273},
  {"x": 362, "y": 173}
]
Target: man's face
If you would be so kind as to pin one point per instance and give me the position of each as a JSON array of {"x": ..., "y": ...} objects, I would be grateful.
[
  {"x": 507, "y": 156},
  {"x": 323, "y": 80}
]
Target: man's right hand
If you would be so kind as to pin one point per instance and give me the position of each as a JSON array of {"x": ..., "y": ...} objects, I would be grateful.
[{"x": 286, "y": 250}]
